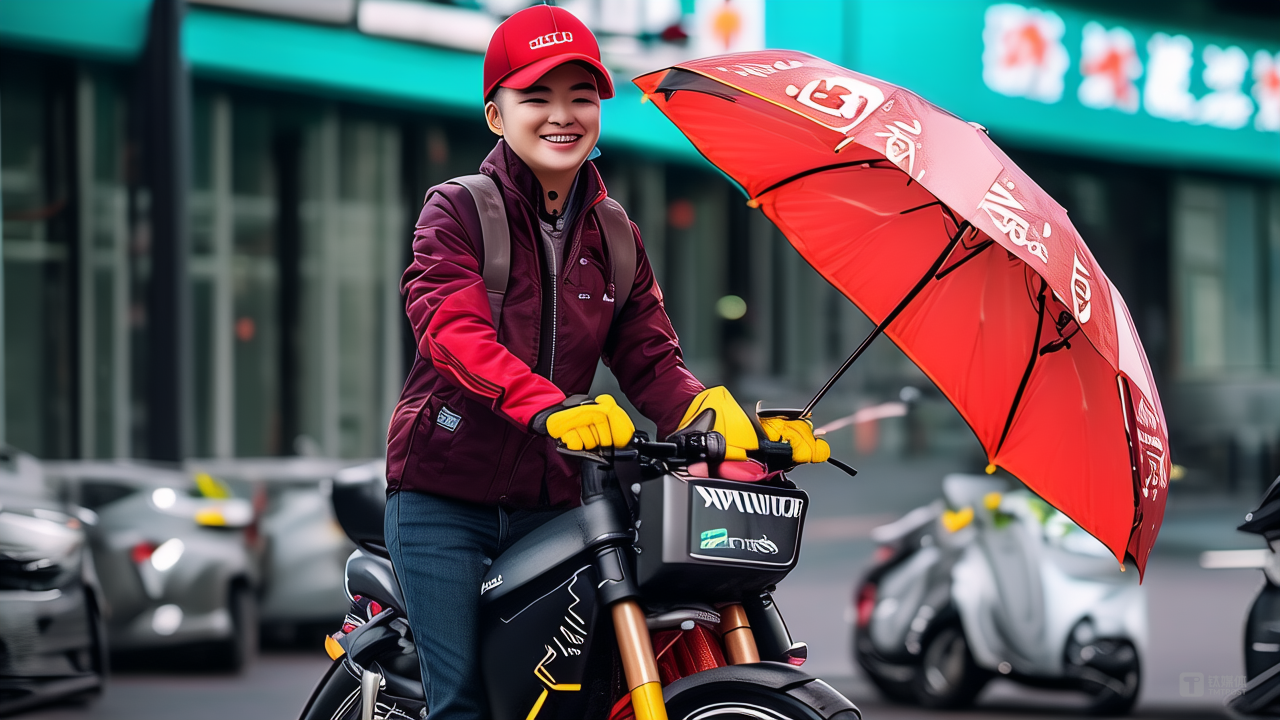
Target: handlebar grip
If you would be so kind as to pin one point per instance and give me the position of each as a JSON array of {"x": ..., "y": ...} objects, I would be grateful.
[
  {"x": 716, "y": 447},
  {"x": 775, "y": 455}
]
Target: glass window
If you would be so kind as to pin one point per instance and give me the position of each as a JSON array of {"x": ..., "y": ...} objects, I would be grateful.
[
  {"x": 353, "y": 233},
  {"x": 1218, "y": 276},
  {"x": 255, "y": 287},
  {"x": 103, "y": 267},
  {"x": 37, "y": 180}
]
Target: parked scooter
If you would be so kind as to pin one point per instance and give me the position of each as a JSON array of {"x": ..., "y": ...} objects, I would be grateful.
[
  {"x": 991, "y": 581},
  {"x": 1261, "y": 694},
  {"x": 656, "y": 591}
]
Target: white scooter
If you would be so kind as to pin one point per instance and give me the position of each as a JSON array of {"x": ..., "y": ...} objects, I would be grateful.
[{"x": 991, "y": 581}]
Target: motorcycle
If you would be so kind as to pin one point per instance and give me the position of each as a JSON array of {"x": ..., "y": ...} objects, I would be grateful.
[
  {"x": 650, "y": 600},
  {"x": 989, "y": 582},
  {"x": 1261, "y": 694}
]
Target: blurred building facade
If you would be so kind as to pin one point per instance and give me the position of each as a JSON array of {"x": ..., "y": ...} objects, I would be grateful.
[{"x": 309, "y": 130}]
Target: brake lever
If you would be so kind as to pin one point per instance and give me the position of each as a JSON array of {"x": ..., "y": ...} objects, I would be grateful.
[
  {"x": 582, "y": 454},
  {"x": 853, "y": 472},
  {"x": 607, "y": 455}
]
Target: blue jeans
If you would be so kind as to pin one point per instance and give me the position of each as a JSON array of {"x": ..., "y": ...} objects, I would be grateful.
[{"x": 440, "y": 549}]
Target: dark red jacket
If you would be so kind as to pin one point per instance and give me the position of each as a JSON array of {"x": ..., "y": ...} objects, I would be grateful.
[{"x": 461, "y": 426}]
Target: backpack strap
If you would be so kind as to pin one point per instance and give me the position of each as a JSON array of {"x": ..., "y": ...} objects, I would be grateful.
[
  {"x": 621, "y": 243},
  {"x": 496, "y": 266},
  {"x": 496, "y": 233}
]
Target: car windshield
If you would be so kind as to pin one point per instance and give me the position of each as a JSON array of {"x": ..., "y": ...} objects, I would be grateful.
[{"x": 95, "y": 494}]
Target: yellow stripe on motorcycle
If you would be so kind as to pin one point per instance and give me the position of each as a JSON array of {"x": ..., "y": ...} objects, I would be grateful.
[
  {"x": 647, "y": 702},
  {"x": 533, "y": 713},
  {"x": 542, "y": 699}
]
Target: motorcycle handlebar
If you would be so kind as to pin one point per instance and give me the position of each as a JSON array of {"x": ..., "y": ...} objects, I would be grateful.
[{"x": 691, "y": 447}]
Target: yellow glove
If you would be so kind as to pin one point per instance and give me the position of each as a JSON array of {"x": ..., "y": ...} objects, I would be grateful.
[
  {"x": 805, "y": 448},
  {"x": 731, "y": 421},
  {"x": 592, "y": 425}
]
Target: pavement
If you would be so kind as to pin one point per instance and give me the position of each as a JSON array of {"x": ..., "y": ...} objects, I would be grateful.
[{"x": 1196, "y": 617}]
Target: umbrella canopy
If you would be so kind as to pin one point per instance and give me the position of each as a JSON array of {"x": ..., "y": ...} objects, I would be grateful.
[{"x": 974, "y": 271}]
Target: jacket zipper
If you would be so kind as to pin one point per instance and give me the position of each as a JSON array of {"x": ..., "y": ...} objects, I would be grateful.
[{"x": 552, "y": 267}]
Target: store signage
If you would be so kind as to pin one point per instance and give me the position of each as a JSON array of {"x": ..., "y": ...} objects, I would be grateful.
[
  {"x": 1025, "y": 54},
  {"x": 1045, "y": 74}
]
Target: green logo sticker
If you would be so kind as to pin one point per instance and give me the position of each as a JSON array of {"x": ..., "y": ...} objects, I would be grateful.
[{"x": 717, "y": 538}]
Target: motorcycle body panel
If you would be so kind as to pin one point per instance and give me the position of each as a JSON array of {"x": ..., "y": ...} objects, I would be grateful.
[
  {"x": 1262, "y": 632},
  {"x": 539, "y": 561},
  {"x": 820, "y": 696},
  {"x": 539, "y": 645}
]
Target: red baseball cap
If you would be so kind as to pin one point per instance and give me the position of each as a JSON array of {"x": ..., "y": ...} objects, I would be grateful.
[{"x": 535, "y": 40}]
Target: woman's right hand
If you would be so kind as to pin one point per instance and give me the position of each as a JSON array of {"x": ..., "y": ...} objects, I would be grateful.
[{"x": 593, "y": 424}]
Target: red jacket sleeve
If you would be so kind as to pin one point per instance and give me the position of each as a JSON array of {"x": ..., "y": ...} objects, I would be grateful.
[
  {"x": 448, "y": 307},
  {"x": 644, "y": 353}
]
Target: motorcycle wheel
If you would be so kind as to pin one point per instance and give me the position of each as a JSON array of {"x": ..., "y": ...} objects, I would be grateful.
[
  {"x": 948, "y": 677},
  {"x": 895, "y": 690},
  {"x": 740, "y": 701},
  {"x": 1116, "y": 691}
]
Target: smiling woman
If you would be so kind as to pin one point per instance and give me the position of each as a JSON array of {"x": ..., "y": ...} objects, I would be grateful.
[{"x": 552, "y": 126}]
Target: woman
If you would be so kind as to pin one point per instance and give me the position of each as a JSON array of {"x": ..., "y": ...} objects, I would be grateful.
[{"x": 471, "y": 460}]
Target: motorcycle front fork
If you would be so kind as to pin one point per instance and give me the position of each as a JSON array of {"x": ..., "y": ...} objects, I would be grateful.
[{"x": 640, "y": 667}]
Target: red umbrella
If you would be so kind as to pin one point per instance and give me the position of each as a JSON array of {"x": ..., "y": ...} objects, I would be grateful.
[{"x": 961, "y": 259}]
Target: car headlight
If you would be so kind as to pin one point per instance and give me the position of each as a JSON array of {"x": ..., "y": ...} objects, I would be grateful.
[
  {"x": 164, "y": 497},
  {"x": 37, "y": 552}
]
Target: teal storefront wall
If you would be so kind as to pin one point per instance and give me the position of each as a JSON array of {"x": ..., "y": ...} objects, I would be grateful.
[
  {"x": 934, "y": 47},
  {"x": 334, "y": 62}
]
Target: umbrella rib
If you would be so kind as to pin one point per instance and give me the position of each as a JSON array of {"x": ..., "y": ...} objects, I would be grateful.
[
  {"x": 823, "y": 168},
  {"x": 893, "y": 314},
  {"x": 1026, "y": 374},
  {"x": 920, "y": 207},
  {"x": 975, "y": 253}
]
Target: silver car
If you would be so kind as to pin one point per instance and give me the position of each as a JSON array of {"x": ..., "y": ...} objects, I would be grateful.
[
  {"x": 174, "y": 557},
  {"x": 306, "y": 551},
  {"x": 52, "y": 640}
]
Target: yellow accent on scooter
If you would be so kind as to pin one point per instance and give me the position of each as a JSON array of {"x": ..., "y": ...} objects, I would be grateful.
[
  {"x": 211, "y": 487},
  {"x": 647, "y": 702},
  {"x": 957, "y": 520},
  {"x": 332, "y": 647},
  {"x": 991, "y": 500}
]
